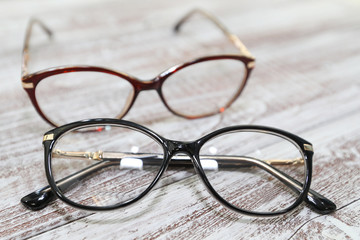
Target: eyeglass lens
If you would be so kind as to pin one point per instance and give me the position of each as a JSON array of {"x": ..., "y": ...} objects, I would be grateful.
[
  {"x": 72, "y": 96},
  {"x": 112, "y": 158},
  {"x": 244, "y": 179},
  {"x": 204, "y": 88}
]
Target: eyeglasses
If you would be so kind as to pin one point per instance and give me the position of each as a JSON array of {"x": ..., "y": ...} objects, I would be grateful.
[
  {"x": 198, "y": 88},
  {"x": 104, "y": 164}
]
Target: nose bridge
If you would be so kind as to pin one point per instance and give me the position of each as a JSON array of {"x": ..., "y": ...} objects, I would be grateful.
[
  {"x": 142, "y": 85},
  {"x": 182, "y": 147}
]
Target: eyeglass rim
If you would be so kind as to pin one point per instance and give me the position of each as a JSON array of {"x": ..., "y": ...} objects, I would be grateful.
[
  {"x": 235, "y": 40},
  {"x": 60, "y": 131},
  {"x": 297, "y": 141},
  {"x": 31, "y": 81}
]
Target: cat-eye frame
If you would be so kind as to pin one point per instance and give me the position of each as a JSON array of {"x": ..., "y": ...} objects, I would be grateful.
[{"x": 197, "y": 88}]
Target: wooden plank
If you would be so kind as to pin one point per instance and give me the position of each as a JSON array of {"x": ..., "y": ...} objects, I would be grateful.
[{"x": 305, "y": 81}]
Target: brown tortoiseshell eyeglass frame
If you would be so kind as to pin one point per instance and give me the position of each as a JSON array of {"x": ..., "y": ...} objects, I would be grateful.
[{"x": 31, "y": 80}]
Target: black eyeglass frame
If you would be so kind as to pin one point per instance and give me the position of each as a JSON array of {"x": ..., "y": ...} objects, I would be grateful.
[{"x": 318, "y": 202}]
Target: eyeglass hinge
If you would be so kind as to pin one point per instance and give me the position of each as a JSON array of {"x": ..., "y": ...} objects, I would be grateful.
[
  {"x": 251, "y": 64},
  {"x": 48, "y": 137},
  {"x": 27, "y": 85},
  {"x": 308, "y": 147}
]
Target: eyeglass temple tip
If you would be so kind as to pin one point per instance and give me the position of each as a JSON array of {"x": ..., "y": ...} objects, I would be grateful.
[
  {"x": 45, "y": 28},
  {"x": 319, "y": 203},
  {"x": 182, "y": 20},
  {"x": 232, "y": 37},
  {"x": 38, "y": 200}
]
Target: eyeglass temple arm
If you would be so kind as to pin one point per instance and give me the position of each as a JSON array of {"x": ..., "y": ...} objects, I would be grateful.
[
  {"x": 40, "y": 198},
  {"x": 232, "y": 37},
  {"x": 25, "y": 53}
]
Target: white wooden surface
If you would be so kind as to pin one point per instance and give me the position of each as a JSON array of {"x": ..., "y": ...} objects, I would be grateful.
[{"x": 306, "y": 81}]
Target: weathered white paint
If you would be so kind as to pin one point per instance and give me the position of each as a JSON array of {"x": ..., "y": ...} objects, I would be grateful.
[{"x": 306, "y": 81}]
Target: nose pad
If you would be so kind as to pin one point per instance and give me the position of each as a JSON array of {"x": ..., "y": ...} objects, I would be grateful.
[
  {"x": 185, "y": 160},
  {"x": 181, "y": 160},
  {"x": 182, "y": 154},
  {"x": 181, "y": 167},
  {"x": 129, "y": 102},
  {"x": 148, "y": 107}
]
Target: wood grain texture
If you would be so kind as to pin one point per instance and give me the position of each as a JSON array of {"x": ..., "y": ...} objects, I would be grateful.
[{"x": 306, "y": 81}]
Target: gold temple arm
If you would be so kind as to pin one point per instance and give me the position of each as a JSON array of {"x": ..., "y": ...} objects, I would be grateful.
[
  {"x": 232, "y": 37},
  {"x": 227, "y": 160},
  {"x": 25, "y": 53},
  {"x": 317, "y": 201},
  {"x": 41, "y": 197}
]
